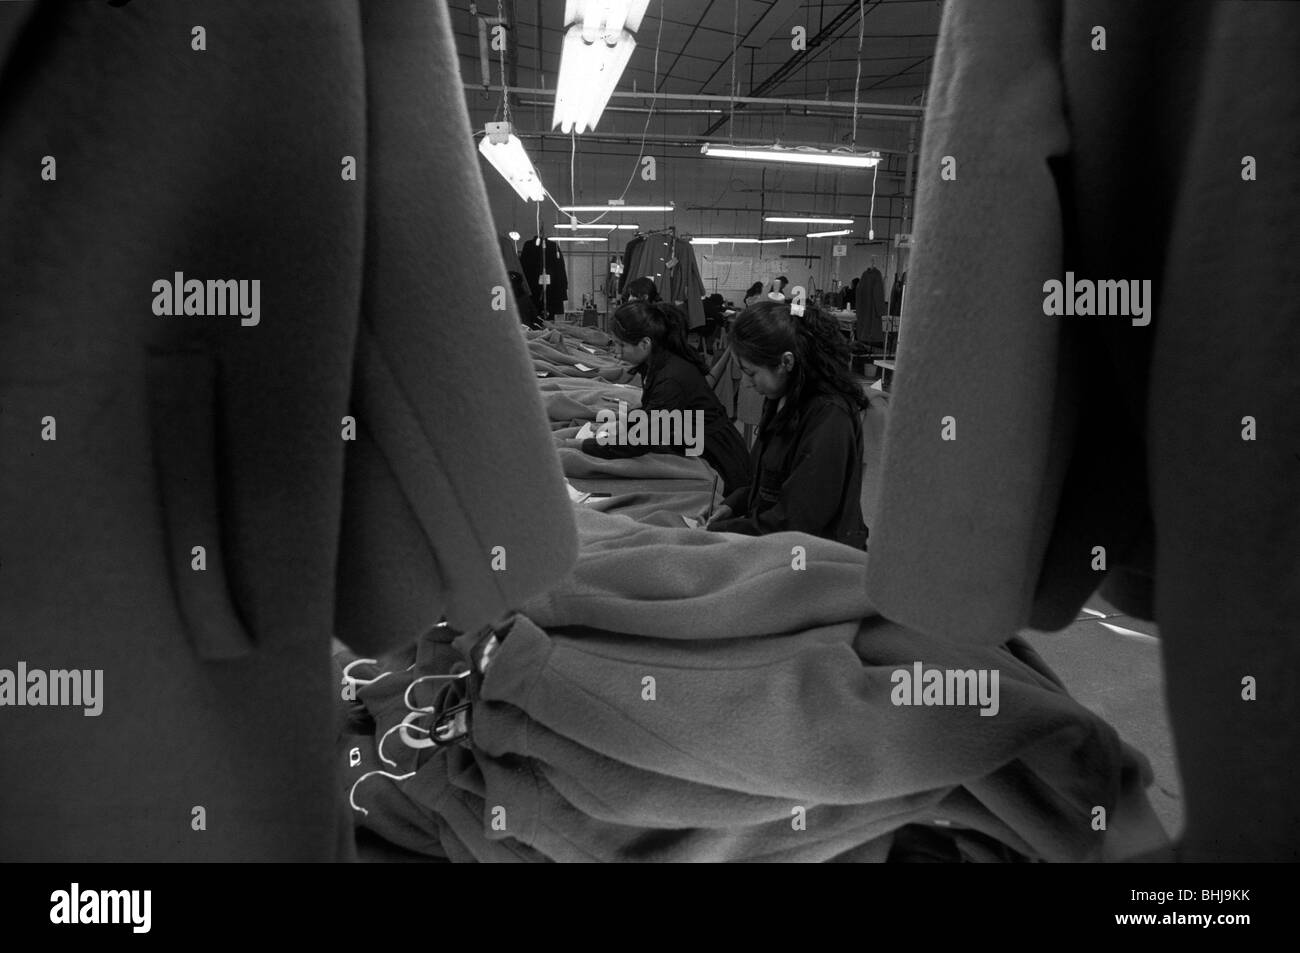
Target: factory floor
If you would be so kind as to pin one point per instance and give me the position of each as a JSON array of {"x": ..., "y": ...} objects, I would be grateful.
[{"x": 1110, "y": 663}]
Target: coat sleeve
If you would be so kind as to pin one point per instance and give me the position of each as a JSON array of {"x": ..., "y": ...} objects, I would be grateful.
[
  {"x": 960, "y": 522},
  {"x": 435, "y": 485}
]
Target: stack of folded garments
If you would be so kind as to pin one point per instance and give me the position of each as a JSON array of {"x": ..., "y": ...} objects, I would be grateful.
[
  {"x": 694, "y": 696},
  {"x": 571, "y": 402}
]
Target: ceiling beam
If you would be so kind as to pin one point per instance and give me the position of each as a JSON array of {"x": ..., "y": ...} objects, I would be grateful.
[
  {"x": 876, "y": 110},
  {"x": 797, "y": 61}
]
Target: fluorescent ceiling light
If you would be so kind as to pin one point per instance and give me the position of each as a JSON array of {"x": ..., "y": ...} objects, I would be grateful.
[
  {"x": 742, "y": 241},
  {"x": 800, "y": 154},
  {"x": 842, "y": 231},
  {"x": 599, "y": 38},
  {"x": 506, "y": 153},
  {"x": 617, "y": 208},
  {"x": 599, "y": 227},
  {"x": 514, "y": 236},
  {"x": 809, "y": 221},
  {"x": 575, "y": 238}
]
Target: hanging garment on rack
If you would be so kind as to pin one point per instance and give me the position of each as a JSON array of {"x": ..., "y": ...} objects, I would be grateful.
[
  {"x": 177, "y": 432},
  {"x": 509, "y": 254},
  {"x": 686, "y": 288},
  {"x": 870, "y": 307},
  {"x": 530, "y": 257},
  {"x": 1116, "y": 450},
  {"x": 609, "y": 287},
  {"x": 629, "y": 260},
  {"x": 743, "y": 403},
  {"x": 671, "y": 264},
  {"x": 896, "y": 294},
  {"x": 649, "y": 259}
]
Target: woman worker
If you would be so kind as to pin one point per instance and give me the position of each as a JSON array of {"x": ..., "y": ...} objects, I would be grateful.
[
  {"x": 651, "y": 338},
  {"x": 807, "y": 460}
]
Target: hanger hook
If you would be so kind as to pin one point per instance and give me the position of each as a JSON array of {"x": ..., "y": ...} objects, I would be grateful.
[
  {"x": 370, "y": 774},
  {"x": 406, "y": 696}
]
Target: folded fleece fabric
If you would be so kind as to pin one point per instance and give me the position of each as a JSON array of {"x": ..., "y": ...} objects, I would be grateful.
[
  {"x": 650, "y": 466},
  {"x": 568, "y": 399},
  {"x": 571, "y": 332},
  {"x": 689, "y": 696}
]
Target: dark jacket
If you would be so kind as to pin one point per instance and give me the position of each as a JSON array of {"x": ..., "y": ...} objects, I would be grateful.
[
  {"x": 807, "y": 476},
  {"x": 549, "y": 298},
  {"x": 673, "y": 383}
]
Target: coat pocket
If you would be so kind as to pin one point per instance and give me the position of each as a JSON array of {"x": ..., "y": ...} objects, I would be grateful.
[{"x": 184, "y": 420}]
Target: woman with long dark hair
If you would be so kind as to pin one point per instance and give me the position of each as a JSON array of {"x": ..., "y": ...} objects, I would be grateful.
[
  {"x": 642, "y": 289},
  {"x": 651, "y": 339},
  {"x": 807, "y": 461},
  {"x": 755, "y": 291}
]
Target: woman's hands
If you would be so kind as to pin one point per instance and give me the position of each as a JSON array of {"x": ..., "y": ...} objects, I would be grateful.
[{"x": 723, "y": 512}]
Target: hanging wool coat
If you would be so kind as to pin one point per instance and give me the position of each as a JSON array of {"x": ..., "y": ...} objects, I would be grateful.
[
  {"x": 869, "y": 301},
  {"x": 181, "y": 505},
  {"x": 1119, "y": 447},
  {"x": 549, "y": 298}
]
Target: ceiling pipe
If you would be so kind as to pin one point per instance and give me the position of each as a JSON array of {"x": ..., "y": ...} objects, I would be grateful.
[
  {"x": 892, "y": 111},
  {"x": 683, "y": 140},
  {"x": 794, "y": 64},
  {"x": 800, "y": 112},
  {"x": 484, "y": 56}
]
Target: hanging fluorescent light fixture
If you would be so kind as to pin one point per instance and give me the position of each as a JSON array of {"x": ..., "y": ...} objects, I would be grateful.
[
  {"x": 503, "y": 149},
  {"x": 809, "y": 221},
  {"x": 598, "y": 227},
  {"x": 742, "y": 241},
  {"x": 599, "y": 38},
  {"x": 799, "y": 154},
  {"x": 842, "y": 231},
  {"x": 576, "y": 238},
  {"x": 617, "y": 208}
]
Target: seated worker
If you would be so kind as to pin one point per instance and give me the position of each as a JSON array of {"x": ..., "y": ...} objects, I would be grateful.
[
  {"x": 807, "y": 460},
  {"x": 778, "y": 289},
  {"x": 651, "y": 338},
  {"x": 642, "y": 289},
  {"x": 755, "y": 291}
]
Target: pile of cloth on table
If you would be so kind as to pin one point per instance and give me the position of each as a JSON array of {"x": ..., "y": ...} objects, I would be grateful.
[
  {"x": 701, "y": 697},
  {"x": 556, "y": 354},
  {"x": 571, "y": 402},
  {"x": 655, "y": 487}
]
